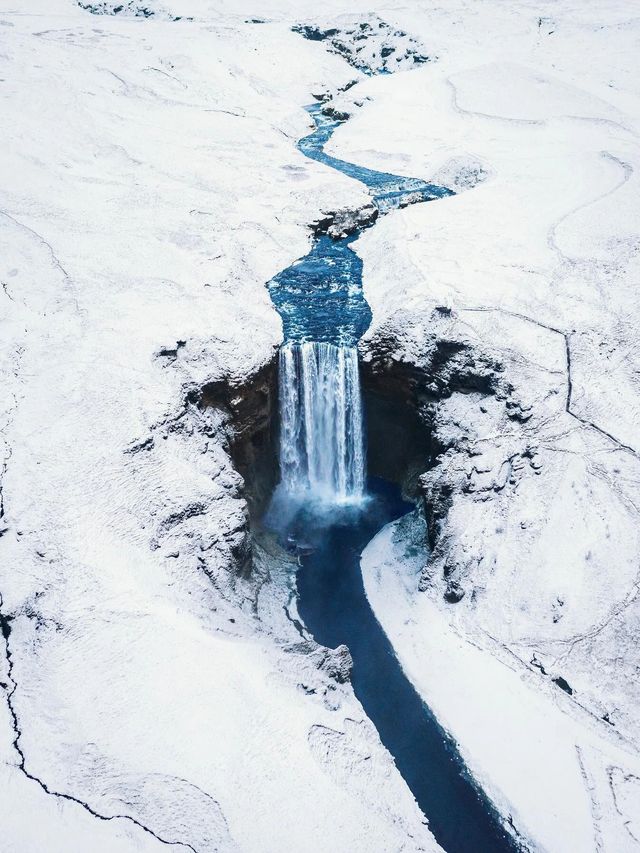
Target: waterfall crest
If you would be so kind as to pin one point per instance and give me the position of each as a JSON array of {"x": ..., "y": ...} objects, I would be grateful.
[{"x": 321, "y": 430}]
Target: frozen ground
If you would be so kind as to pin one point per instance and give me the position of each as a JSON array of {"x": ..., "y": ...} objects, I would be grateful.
[
  {"x": 150, "y": 186},
  {"x": 521, "y": 293}
]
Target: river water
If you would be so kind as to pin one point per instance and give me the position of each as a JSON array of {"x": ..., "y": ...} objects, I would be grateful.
[{"x": 325, "y": 508}]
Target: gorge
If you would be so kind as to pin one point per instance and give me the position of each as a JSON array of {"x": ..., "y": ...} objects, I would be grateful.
[{"x": 326, "y": 510}]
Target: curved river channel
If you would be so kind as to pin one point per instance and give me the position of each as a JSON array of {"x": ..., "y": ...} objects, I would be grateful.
[{"x": 327, "y": 510}]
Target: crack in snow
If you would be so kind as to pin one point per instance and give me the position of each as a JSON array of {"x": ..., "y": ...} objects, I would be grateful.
[
  {"x": 54, "y": 260},
  {"x": 5, "y": 630},
  {"x": 616, "y": 611},
  {"x": 567, "y": 343},
  {"x": 297, "y": 624},
  {"x": 596, "y": 810},
  {"x": 626, "y": 777}
]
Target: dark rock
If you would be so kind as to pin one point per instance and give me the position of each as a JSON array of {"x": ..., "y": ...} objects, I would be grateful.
[
  {"x": 107, "y": 8},
  {"x": 411, "y": 198},
  {"x": 127, "y": 9},
  {"x": 171, "y": 352},
  {"x": 535, "y": 662},
  {"x": 314, "y": 33},
  {"x": 518, "y": 411},
  {"x": 137, "y": 446},
  {"x": 251, "y": 408},
  {"x": 454, "y": 592},
  {"x": 334, "y": 112},
  {"x": 337, "y": 664},
  {"x": 386, "y": 51},
  {"x": 563, "y": 684},
  {"x": 341, "y": 223}
]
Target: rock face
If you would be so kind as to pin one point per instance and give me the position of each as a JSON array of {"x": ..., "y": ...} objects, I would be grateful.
[
  {"x": 532, "y": 544},
  {"x": 367, "y": 43},
  {"x": 251, "y": 417}
]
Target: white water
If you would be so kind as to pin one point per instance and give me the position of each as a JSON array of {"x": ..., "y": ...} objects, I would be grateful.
[{"x": 321, "y": 431}]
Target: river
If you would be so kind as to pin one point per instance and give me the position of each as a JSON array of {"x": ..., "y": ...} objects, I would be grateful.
[{"x": 326, "y": 509}]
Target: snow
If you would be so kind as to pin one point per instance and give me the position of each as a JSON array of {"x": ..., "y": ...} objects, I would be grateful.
[
  {"x": 32, "y": 820},
  {"x": 537, "y": 488},
  {"x": 150, "y": 188},
  {"x": 522, "y": 740}
]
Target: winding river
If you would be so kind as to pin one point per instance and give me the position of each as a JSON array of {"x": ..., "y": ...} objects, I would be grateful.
[{"x": 325, "y": 508}]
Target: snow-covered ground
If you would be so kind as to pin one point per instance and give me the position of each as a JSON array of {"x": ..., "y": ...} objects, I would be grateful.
[
  {"x": 565, "y": 781},
  {"x": 150, "y": 186},
  {"x": 521, "y": 292}
]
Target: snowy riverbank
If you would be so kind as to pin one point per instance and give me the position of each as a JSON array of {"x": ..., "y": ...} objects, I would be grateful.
[{"x": 151, "y": 186}]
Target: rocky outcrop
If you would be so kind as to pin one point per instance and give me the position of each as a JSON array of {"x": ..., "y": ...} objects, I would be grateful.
[
  {"x": 371, "y": 45},
  {"x": 503, "y": 492},
  {"x": 129, "y": 9},
  {"x": 458, "y": 389},
  {"x": 335, "y": 663},
  {"x": 251, "y": 429},
  {"x": 336, "y": 112},
  {"x": 341, "y": 223},
  {"x": 237, "y": 415}
]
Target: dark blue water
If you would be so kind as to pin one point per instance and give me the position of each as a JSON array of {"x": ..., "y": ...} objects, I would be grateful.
[
  {"x": 388, "y": 191},
  {"x": 333, "y": 606},
  {"x": 320, "y": 298}
]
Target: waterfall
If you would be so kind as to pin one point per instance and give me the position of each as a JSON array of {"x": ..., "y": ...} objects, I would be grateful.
[{"x": 321, "y": 432}]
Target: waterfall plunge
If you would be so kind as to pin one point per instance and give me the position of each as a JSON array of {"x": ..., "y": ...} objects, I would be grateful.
[{"x": 321, "y": 432}]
